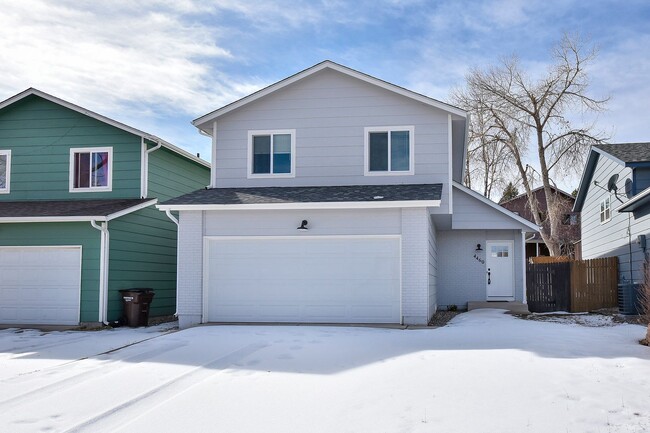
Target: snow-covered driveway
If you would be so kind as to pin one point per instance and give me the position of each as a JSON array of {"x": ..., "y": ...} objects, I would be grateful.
[{"x": 485, "y": 372}]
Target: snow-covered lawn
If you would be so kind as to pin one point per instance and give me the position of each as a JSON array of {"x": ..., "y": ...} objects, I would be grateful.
[{"x": 484, "y": 372}]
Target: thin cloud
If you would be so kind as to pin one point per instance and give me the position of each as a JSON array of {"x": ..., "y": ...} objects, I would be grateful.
[{"x": 110, "y": 55}]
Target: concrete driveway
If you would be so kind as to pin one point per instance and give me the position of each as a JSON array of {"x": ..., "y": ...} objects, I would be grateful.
[{"x": 486, "y": 371}]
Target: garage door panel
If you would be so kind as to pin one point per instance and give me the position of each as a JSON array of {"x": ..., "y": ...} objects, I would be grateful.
[
  {"x": 40, "y": 285},
  {"x": 304, "y": 280}
]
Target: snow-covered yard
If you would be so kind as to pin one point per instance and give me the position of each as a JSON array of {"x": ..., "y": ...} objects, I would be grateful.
[{"x": 484, "y": 372}]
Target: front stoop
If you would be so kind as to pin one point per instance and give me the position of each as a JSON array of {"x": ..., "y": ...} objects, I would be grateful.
[{"x": 513, "y": 307}]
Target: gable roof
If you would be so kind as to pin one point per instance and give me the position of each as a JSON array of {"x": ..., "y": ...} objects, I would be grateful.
[
  {"x": 557, "y": 190},
  {"x": 69, "y": 210},
  {"x": 104, "y": 119},
  {"x": 495, "y": 206},
  {"x": 625, "y": 154},
  {"x": 309, "y": 196},
  {"x": 327, "y": 64}
]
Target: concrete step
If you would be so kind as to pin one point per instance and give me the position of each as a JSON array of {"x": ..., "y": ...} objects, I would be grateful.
[{"x": 513, "y": 307}]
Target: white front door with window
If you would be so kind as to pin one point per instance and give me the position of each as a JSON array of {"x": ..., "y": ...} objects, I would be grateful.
[{"x": 500, "y": 266}]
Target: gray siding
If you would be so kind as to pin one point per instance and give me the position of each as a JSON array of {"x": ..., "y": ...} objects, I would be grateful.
[
  {"x": 414, "y": 226},
  {"x": 471, "y": 213},
  {"x": 285, "y": 222},
  {"x": 433, "y": 267},
  {"x": 329, "y": 111},
  {"x": 461, "y": 277},
  {"x": 611, "y": 238}
]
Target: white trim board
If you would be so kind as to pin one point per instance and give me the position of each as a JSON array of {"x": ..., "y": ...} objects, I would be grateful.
[
  {"x": 312, "y": 205},
  {"x": 7, "y": 188},
  {"x": 388, "y": 129},
  {"x": 89, "y": 188},
  {"x": 270, "y": 133}
]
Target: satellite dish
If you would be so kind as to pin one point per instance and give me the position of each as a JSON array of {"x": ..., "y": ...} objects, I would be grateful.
[{"x": 611, "y": 184}]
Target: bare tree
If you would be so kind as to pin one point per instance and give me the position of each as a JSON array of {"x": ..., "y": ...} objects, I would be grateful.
[
  {"x": 523, "y": 112},
  {"x": 489, "y": 162}
]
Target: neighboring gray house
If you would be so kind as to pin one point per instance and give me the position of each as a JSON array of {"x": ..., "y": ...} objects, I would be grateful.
[
  {"x": 614, "y": 201},
  {"x": 336, "y": 197}
]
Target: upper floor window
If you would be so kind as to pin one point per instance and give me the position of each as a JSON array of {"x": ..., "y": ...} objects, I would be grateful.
[
  {"x": 5, "y": 170},
  {"x": 570, "y": 219},
  {"x": 91, "y": 169},
  {"x": 271, "y": 153},
  {"x": 605, "y": 212},
  {"x": 389, "y": 150}
]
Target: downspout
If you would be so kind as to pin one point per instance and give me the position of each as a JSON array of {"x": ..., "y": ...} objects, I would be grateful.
[
  {"x": 524, "y": 299},
  {"x": 103, "y": 271},
  {"x": 175, "y": 221},
  {"x": 629, "y": 244},
  {"x": 145, "y": 166},
  {"x": 523, "y": 253}
]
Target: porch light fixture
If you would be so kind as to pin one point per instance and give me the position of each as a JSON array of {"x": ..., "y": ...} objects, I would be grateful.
[
  {"x": 303, "y": 226},
  {"x": 478, "y": 247}
]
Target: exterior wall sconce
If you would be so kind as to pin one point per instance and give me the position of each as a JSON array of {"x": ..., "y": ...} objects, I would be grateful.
[
  {"x": 478, "y": 247},
  {"x": 303, "y": 226}
]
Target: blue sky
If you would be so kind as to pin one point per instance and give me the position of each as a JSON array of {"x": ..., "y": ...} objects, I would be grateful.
[{"x": 158, "y": 64}]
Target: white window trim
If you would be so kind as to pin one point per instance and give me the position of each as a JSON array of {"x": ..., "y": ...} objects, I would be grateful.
[
  {"x": 601, "y": 210},
  {"x": 7, "y": 188},
  {"x": 271, "y": 132},
  {"x": 388, "y": 129},
  {"x": 107, "y": 188}
]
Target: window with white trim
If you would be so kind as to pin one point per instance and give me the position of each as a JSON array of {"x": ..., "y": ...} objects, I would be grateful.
[
  {"x": 91, "y": 169},
  {"x": 389, "y": 150},
  {"x": 605, "y": 211},
  {"x": 5, "y": 171},
  {"x": 272, "y": 153}
]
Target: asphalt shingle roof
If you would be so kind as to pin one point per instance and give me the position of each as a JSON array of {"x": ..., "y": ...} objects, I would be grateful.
[
  {"x": 65, "y": 208},
  {"x": 310, "y": 194},
  {"x": 628, "y": 152}
]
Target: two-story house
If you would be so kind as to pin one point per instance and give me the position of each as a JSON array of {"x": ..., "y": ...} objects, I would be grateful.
[
  {"x": 614, "y": 201},
  {"x": 77, "y": 215},
  {"x": 568, "y": 229},
  {"x": 336, "y": 197}
]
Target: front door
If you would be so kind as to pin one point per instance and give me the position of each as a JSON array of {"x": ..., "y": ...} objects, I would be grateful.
[{"x": 500, "y": 268}]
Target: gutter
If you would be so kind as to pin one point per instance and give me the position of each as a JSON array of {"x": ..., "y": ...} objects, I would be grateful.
[
  {"x": 145, "y": 167},
  {"x": 175, "y": 221},
  {"x": 103, "y": 270}
]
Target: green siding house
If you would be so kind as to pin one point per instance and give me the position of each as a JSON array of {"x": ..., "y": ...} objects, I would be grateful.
[{"x": 77, "y": 215}]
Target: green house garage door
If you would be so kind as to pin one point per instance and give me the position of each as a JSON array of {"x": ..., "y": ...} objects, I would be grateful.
[
  {"x": 40, "y": 285},
  {"x": 303, "y": 279}
]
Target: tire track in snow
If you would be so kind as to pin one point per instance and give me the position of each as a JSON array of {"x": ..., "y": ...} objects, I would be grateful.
[
  {"x": 136, "y": 407},
  {"x": 108, "y": 366},
  {"x": 18, "y": 352}
]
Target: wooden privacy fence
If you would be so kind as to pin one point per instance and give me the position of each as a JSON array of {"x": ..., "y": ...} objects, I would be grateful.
[{"x": 573, "y": 286}]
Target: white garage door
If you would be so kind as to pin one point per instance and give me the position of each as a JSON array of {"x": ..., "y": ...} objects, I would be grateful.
[
  {"x": 40, "y": 285},
  {"x": 316, "y": 279}
]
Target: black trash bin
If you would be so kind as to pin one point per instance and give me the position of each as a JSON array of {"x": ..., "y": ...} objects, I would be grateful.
[
  {"x": 629, "y": 299},
  {"x": 136, "y": 306}
]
